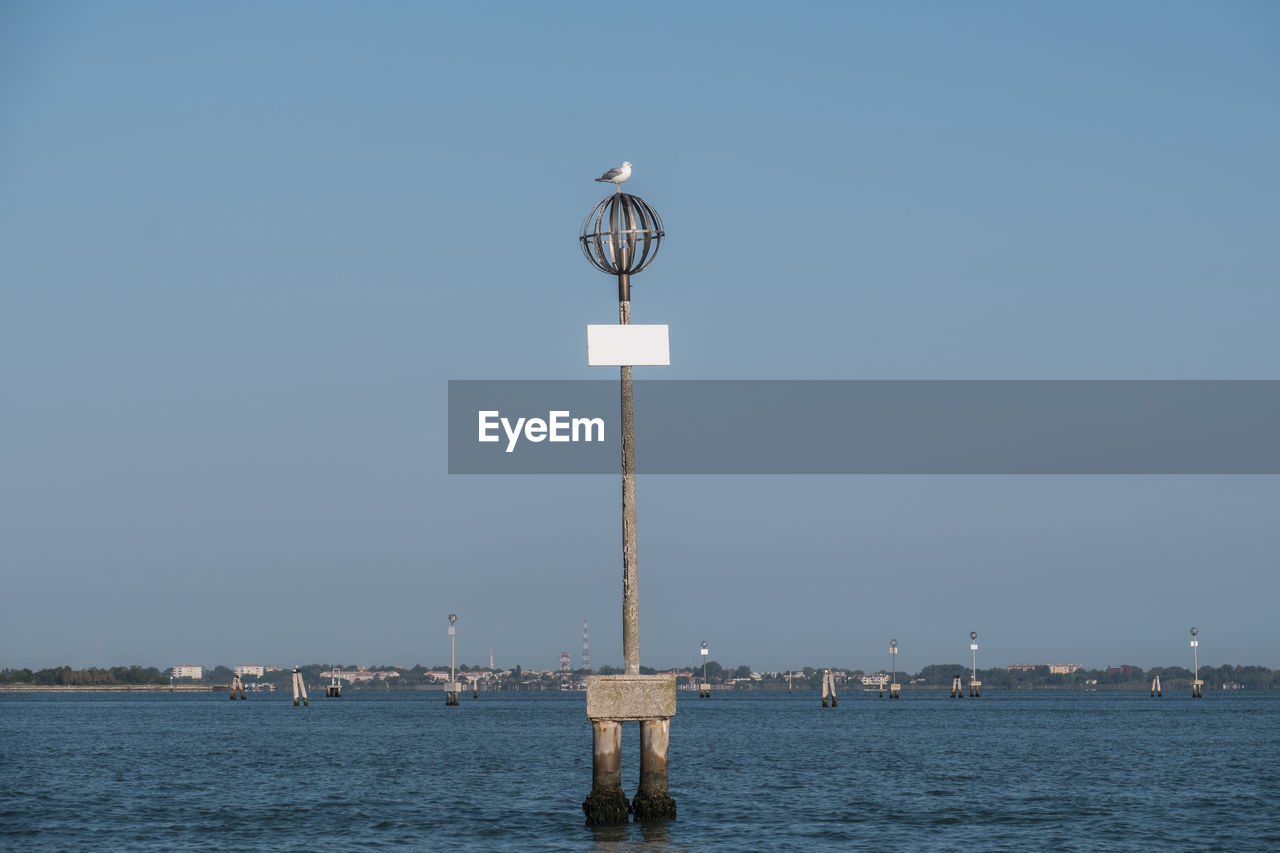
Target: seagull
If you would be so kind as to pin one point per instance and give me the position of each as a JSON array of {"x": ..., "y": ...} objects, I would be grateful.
[{"x": 616, "y": 176}]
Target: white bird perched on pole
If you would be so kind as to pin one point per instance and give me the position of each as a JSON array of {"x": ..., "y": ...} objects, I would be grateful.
[{"x": 616, "y": 176}]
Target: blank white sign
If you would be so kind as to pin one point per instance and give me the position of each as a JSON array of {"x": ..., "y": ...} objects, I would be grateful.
[{"x": 633, "y": 345}]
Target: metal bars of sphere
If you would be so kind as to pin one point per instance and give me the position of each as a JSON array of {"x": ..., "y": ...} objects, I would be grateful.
[{"x": 622, "y": 234}]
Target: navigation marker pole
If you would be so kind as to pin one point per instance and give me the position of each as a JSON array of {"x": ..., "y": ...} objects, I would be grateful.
[
  {"x": 704, "y": 689},
  {"x": 452, "y": 689},
  {"x": 975, "y": 686},
  {"x": 1197, "y": 686},
  {"x": 621, "y": 237},
  {"x": 895, "y": 689}
]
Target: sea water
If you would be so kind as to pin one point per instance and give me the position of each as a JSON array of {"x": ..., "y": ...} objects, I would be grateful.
[{"x": 1047, "y": 770}]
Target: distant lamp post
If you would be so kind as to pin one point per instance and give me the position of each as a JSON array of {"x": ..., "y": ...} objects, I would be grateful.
[
  {"x": 894, "y": 688},
  {"x": 452, "y": 689},
  {"x": 975, "y": 686},
  {"x": 704, "y": 689},
  {"x": 621, "y": 237},
  {"x": 1197, "y": 686}
]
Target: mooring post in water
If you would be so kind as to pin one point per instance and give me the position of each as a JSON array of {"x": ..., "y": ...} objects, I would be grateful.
[
  {"x": 236, "y": 685},
  {"x": 957, "y": 689},
  {"x": 299, "y": 689},
  {"x": 621, "y": 237},
  {"x": 1197, "y": 686},
  {"x": 828, "y": 688},
  {"x": 975, "y": 686},
  {"x": 1155, "y": 687}
]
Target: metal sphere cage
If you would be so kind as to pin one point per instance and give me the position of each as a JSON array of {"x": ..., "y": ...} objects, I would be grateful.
[{"x": 622, "y": 234}]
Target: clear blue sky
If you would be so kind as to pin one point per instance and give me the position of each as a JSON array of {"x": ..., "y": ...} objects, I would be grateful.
[{"x": 244, "y": 246}]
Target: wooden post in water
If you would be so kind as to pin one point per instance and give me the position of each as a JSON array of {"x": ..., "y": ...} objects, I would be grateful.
[
  {"x": 957, "y": 689},
  {"x": 236, "y": 685},
  {"x": 826, "y": 699},
  {"x": 1155, "y": 687},
  {"x": 299, "y": 689},
  {"x": 832, "y": 678}
]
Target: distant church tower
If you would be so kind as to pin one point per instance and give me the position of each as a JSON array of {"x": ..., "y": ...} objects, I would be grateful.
[{"x": 586, "y": 651}]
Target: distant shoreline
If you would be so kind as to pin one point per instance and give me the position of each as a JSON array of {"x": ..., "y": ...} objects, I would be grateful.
[{"x": 111, "y": 688}]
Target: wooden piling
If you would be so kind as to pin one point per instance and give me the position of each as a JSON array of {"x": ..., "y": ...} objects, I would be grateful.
[
  {"x": 236, "y": 685},
  {"x": 299, "y": 689},
  {"x": 957, "y": 688},
  {"x": 825, "y": 682}
]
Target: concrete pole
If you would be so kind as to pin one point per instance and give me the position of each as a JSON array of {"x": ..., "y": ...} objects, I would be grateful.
[{"x": 630, "y": 583}]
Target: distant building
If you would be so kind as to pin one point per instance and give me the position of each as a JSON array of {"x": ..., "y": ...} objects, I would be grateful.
[
  {"x": 1021, "y": 667},
  {"x": 1063, "y": 668},
  {"x": 255, "y": 671},
  {"x": 196, "y": 672},
  {"x": 1122, "y": 669},
  {"x": 361, "y": 675}
]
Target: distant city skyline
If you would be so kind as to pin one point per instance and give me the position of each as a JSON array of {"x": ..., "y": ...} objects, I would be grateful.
[{"x": 245, "y": 253}]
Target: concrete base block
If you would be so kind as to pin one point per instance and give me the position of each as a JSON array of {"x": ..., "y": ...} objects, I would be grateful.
[{"x": 631, "y": 697}]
